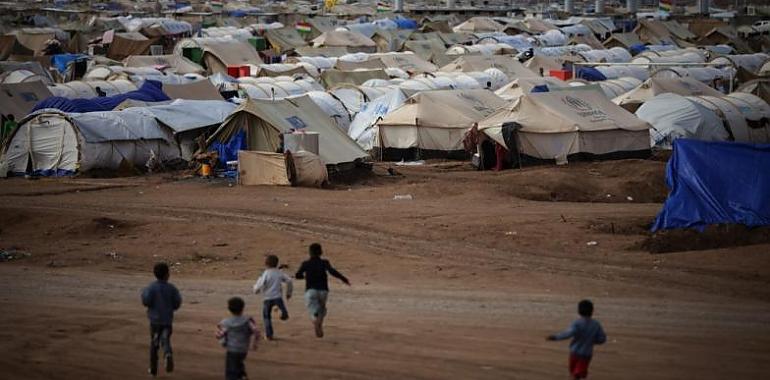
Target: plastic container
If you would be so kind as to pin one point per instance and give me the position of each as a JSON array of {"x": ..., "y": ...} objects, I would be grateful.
[
  {"x": 259, "y": 43},
  {"x": 234, "y": 71},
  {"x": 205, "y": 170},
  {"x": 561, "y": 74},
  {"x": 193, "y": 53}
]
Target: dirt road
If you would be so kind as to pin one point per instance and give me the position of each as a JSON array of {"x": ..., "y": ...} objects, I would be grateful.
[{"x": 463, "y": 281}]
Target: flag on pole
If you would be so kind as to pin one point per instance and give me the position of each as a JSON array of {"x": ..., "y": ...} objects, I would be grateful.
[
  {"x": 665, "y": 5},
  {"x": 303, "y": 27},
  {"x": 383, "y": 7}
]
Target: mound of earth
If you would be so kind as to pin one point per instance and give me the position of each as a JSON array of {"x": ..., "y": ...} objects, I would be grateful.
[
  {"x": 713, "y": 237},
  {"x": 641, "y": 181}
]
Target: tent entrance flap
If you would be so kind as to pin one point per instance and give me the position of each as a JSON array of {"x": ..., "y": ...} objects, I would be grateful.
[{"x": 511, "y": 138}]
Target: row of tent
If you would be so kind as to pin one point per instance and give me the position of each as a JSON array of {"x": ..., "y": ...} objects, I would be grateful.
[{"x": 552, "y": 124}]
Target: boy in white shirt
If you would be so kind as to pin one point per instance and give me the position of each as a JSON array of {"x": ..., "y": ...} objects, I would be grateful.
[{"x": 270, "y": 284}]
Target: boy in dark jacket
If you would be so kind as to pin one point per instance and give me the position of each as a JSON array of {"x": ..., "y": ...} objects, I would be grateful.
[
  {"x": 161, "y": 299},
  {"x": 317, "y": 285},
  {"x": 585, "y": 333}
]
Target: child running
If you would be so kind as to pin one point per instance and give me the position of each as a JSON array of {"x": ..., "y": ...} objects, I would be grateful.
[
  {"x": 269, "y": 283},
  {"x": 161, "y": 299},
  {"x": 585, "y": 332},
  {"x": 317, "y": 285},
  {"x": 235, "y": 333}
]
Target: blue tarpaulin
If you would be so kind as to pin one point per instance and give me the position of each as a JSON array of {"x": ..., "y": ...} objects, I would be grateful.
[
  {"x": 228, "y": 151},
  {"x": 151, "y": 91},
  {"x": 716, "y": 183},
  {"x": 637, "y": 48},
  {"x": 60, "y": 61},
  {"x": 406, "y": 23}
]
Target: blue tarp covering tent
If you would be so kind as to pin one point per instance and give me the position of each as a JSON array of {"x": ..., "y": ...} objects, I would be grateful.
[
  {"x": 406, "y": 23},
  {"x": 60, "y": 61},
  {"x": 586, "y": 73},
  {"x": 151, "y": 91},
  {"x": 716, "y": 183},
  {"x": 228, "y": 151},
  {"x": 637, "y": 48}
]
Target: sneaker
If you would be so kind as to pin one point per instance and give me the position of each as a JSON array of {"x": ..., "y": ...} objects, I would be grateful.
[
  {"x": 152, "y": 372},
  {"x": 284, "y": 317},
  {"x": 169, "y": 364}
]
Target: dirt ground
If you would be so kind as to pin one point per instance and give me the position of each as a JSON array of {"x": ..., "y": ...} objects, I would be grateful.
[{"x": 463, "y": 281}]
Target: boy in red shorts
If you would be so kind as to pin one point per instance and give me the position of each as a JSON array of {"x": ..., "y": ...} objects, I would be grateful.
[{"x": 585, "y": 332}]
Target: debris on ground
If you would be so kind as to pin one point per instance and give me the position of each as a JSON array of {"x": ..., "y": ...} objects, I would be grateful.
[{"x": 13, "y": 254}]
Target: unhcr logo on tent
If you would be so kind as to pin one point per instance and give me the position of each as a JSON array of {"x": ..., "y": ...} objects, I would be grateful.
[
  {"x": 577, "y": 103},
  {"x": 585, "y": 109}
]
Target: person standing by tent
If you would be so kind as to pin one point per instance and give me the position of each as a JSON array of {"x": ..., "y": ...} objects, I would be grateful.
[
  {"x": 313, "y": 271},
  {"x": 9, "y": 125}
]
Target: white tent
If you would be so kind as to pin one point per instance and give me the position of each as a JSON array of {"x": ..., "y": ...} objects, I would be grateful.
[
  {"x": 333, "y": 107},
  {"x": 553, "y": 125},
  {"x": 613, "y": 55},
  {"x": 684, "y": 86},
  {"x": 674, "y": 116},
  {"x": 616, "y": 87},
  {"x": 362, "y": 127},
  {"x": 54, "y": 143},
  {"x": 87, "y": 89}
]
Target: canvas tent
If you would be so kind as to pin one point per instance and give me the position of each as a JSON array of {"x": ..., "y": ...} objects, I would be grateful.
[
  {"x": 554, "y": 125},
  {"x": 479, "y": 24},
  {"x": 167, "y": 63},
  {"x": 429, "y": 50},
  {"x": 508, "y": 65},
  {"x": 538, "y": 62},
  {"x": 655, "y": 86},
  {"x": 261, "y": 121},
  {"x": 520, "y": 86},
  {"x": 352, "y": 41},
  {"x": 53, "y": 143},
  {"x": 124, "y": 45},
  {"x": 18, "y": 99},
  {"x": 624, "y": 40},
  {"x": 332, "y": 78},
  {"x": 758, "y": 87},
  {"x": 674, "y": 116},
  {"x": 326, "y": 51},
  {"x": 219, "y": 53},
  {"x": 435, "y": 120},
  {"x": 285, "y": 39}
]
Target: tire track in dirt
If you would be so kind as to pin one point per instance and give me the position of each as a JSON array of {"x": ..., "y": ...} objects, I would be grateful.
[{"x": 406, "y": 246}]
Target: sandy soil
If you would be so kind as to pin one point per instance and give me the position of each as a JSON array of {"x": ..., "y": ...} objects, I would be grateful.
[{"x": 463, "y": 281}]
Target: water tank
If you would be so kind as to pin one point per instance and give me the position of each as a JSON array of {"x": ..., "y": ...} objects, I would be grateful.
[
  {"x": 704, "y": 6},
  {"x": 299, "y": 141},
  {"x": 569, "y": 6},
  {"x": 632, "y": 6},
  {"x": 599, "y": 7}
]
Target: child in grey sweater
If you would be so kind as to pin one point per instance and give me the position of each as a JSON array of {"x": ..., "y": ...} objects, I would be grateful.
[{"x": 235, "y": 334}]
